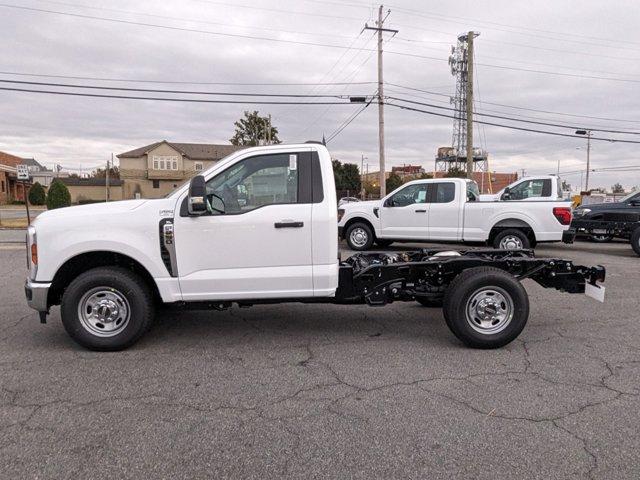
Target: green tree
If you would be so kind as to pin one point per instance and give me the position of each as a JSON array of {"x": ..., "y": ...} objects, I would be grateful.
[
  {"x": 253, "y": 130},
  {"x": 58, "y": 195},
  {"x": 455, "y": 172},
  {"x": 617, "y": 188},
  {"x": 37, "y": 195},
  {"x": 393, "y": 181},
  {"x": 425, "y": 176}
]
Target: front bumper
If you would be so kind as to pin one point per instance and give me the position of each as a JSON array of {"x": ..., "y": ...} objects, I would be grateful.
[
  {"x": 569, "y": 235},
  {"x": 37, "y": 294}
]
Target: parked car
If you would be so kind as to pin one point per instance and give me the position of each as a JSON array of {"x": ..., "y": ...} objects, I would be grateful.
[
  {"x": 108, "y": 265},
  {"x": 544, "y": 187},
  {"x": 449, "y": 210},
  {"x": 597, "y": 211},
  {"x": 344, "y": 200}
]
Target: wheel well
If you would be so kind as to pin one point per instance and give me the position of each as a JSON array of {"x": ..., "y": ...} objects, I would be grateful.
[
  {"x": 512, "y": 223},
  {"x": 86, "y": 261},
  {"x": 357, "y": 220}
]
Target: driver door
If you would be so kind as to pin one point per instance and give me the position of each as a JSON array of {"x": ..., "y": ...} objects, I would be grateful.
[
  {"x": 255, "y": 240},
  {"x": 405, "y": 213}
]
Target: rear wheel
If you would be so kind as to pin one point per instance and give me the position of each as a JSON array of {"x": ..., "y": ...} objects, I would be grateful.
[
  {"x": 107, "y": 308},
  {"x": 486, "y": 307},
  {"x": 635, "y": 240},
  {"x": 359, "y": 236},
  {"x": 511, "y": 239}
]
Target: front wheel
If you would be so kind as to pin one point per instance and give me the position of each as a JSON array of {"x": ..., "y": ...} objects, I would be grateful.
[
  {"x": 486, "y": 307},
  {"x": 359, "y": 236},
  {"x": 107, "y": 308}
]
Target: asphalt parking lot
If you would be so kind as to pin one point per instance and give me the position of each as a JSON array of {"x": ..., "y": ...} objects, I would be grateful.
[{"x": 321, "y": 391}]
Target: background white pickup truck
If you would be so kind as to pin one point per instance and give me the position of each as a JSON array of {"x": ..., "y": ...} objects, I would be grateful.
[
  {"x": 449, "y": 210},
  {"x": 543, "y": 187},
  {"x": 261, "y": 227}
]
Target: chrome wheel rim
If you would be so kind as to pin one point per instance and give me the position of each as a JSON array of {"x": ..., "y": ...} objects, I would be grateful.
[
  {"x": 489, "y": 310},
  {"x": 511, "y": 242},
  {"x": 358, "y": 237},
  {"x": 104, "y": 311}
]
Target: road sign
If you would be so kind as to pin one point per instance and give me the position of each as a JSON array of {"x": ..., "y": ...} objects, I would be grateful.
[{"x": 23, "y": 172}]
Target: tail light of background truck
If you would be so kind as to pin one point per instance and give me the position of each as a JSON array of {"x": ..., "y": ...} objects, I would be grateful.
[{"x": 563, "y": 215}]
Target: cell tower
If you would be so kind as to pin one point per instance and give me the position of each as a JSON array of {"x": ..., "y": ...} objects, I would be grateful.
[{"x": 456, "y": 155}]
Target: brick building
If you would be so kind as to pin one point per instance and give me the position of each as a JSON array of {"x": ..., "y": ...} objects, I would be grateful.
[{"x": 10, "y": 188}]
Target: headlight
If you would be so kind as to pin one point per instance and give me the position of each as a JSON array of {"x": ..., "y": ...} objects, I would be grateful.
[
  {"x": 582, "y": 211},
  {"x": 32, "y": 252},
  {"x": 340, "y": 214}
]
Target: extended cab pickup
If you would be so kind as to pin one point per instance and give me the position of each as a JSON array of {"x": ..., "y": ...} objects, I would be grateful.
[
  {"x": 261, "y": 227},
  {"x": 448, "y": 209}
]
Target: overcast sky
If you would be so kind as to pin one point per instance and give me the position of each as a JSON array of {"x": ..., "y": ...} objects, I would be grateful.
[{"x": 579, "y": 39}]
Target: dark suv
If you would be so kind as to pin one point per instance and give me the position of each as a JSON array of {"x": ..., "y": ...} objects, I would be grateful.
[{"x": 597, "y": 211}]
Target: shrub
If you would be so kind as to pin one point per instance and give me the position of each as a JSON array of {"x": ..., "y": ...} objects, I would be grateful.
[
  {"x": 37, "y": 195},
  {"x": 58, "y": 195}
]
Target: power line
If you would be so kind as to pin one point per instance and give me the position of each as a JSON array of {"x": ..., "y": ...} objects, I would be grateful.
[
  {"x": 548, "y": 124},
  {"x": 180, "y": 82},
  {"x": 525, "y": 108},
  {"x": 348, "y": 122},
  {"x": 168, "y": 99},
  {"x": 512, "y": 127},
  {"x": 185, "y": 92}
]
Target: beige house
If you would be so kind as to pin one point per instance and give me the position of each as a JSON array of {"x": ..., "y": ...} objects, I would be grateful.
[
  {"x": 89, "y": 190},
  {"x": 154, "y": 170}
]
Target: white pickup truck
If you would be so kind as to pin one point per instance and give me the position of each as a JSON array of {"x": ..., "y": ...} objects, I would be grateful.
[
  {"x": 261, "y": 227},
  {"x": 448, "y": 209},
  {"x": 543, "y": 187}
]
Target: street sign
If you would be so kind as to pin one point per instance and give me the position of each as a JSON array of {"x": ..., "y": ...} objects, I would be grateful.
[{"x": 23, "y": 171}]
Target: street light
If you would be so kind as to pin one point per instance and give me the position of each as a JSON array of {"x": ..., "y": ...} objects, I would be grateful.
[{"x": 588, "y": 134}]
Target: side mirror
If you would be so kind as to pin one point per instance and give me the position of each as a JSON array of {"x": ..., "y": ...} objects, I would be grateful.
[
  {"x": 197, "y": 201},
  {"x": 506, "y": 195}
]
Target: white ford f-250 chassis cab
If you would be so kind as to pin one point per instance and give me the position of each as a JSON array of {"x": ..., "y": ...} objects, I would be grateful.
[
  {"x": 449, "y": 209},
  {"x": 261, "y": 227}
]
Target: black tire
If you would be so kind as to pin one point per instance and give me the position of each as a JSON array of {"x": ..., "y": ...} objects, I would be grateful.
[
  {"x": 467, "y": 288},
  {"x": 511, "y": 234},
  {"x": 635, "y": 241},
  {"x": 601, "y": 238},
  {"x": 383, "y": 243},
  {"x": 359, "y": 236},
  {"x": 430, "y": 302},
  {"x": 123, "y": 289}
]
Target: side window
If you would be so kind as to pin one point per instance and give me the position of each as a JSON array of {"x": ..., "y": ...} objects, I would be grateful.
[
  {"x": 416, "y": 193},
  {"x": 254, "y": 182},
  {"x": 531, "y": 188},
  {"x": 445, "y": 192}
]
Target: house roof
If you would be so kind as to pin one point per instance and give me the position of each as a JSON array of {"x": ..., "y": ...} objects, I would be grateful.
[
  {"x": 90, "y": 182},
  {"x": 32, "y": 162},
  {"x": 10, "y": 160},
  {"x": 194, "y": 151}
]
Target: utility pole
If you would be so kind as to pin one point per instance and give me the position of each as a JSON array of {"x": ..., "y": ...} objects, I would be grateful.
[
  {"x": 380, "y": 28},
  {"x": 470, "y": 37},
  {"x": 362, "y": 177},
  {"x": 586, "y": 181},
  {"x": 106, "y": 183}
]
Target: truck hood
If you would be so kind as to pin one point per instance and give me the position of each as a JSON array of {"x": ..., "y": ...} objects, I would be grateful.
[{"x": 105, "y": 208}]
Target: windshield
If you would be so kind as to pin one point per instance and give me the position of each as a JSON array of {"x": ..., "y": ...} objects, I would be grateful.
[{"x": 630, "y": 196}]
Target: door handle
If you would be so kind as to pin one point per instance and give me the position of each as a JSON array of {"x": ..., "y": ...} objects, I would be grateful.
[
  {"x": 421, "y": 211},
  {"x": 288, "y": 224}
]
